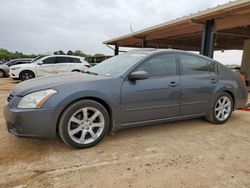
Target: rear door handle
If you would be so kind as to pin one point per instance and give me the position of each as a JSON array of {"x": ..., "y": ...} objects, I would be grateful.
[
  {"x": 213, "y": 80},
  {"x": 172, "y": 84}
]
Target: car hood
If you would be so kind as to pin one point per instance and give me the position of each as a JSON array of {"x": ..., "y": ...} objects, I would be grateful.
[
  {"x": 23, "y": 65},
  {"x": 38, "y": 84},
  {"x": 4, "y": 67}
]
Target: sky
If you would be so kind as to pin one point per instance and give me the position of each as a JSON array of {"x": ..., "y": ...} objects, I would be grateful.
[{"x": 45, "y": 26}]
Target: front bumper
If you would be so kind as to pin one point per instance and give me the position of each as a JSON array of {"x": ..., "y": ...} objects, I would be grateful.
[
  {"x": 30, "y": 122},
  {"x": 13, "y": 74}
]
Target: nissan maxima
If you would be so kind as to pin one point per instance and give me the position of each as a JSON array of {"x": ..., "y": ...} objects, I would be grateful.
[{"x": 141, "y": 87}]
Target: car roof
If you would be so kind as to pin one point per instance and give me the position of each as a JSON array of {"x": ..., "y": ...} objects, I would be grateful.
[
  {"x": 64, "y": 56},
  {"x": 148, "y": 51}
]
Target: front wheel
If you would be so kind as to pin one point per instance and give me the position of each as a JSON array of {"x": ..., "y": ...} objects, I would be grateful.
[
  {"x": 221, "y": 110},
  {"x": 26, "y": 75},
  {"x": 83, "y": 124}
]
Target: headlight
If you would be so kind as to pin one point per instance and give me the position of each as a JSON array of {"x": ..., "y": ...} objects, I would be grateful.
[
  {"x": 15, "y": 68},
  {"x": 36, "y": 99}
]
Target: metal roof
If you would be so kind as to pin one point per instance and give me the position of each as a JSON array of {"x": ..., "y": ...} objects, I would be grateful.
[{"x": 227, "y": 10}]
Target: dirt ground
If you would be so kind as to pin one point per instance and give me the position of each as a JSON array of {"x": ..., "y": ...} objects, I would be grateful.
[{"x": 191, "y": 153}]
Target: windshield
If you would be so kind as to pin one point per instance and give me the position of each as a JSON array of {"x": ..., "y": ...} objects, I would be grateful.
[
  {"x": 38, "y": 57},
  {"x": 116, "y": 65}
]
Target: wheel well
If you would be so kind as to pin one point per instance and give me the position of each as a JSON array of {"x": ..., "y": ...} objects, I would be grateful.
[
  {"x": 102, "y": 102},
  {"x": 232, "y": 95},
  {"x": 76, "y": 70}
]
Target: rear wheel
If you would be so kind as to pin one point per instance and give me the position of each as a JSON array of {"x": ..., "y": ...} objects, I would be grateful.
[
  {"x": 26, "y": 75},
  {"x": 2, "y": 74},
  {"x": 83, "y": 124},
  {"x": 221, "y": 110}
]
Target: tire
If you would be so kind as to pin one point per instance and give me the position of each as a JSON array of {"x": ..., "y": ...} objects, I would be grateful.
[
  {"x": 221, "y": 109},
  {"x": 2, "y": 74},
  {"x": 26, "y": 75},
  {"x": 83, "y": 124}
]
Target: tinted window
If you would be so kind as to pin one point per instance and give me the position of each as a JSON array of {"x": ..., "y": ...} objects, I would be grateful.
[
  {"x": 76, "y": 60},
  {"x": 194, "y": 65},
  {"x": 64, "y": 60},
  {"x": 160, "y": 65},
  {"x": 50, "y": 60}
]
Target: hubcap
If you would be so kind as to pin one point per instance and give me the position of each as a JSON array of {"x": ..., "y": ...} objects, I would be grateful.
[
  {"x": 223, "y": 108},
  {"x": 86, "y": 125}
]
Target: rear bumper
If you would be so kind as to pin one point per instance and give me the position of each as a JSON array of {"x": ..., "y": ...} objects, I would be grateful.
[{"x": 30, "y": 122}]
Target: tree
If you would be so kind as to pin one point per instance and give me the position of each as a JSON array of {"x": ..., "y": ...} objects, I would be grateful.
[
  {"x": 70, "y": 52},
  {"x": 7, "y": 55},
  {"x": 79, "y": 53},
  {"x": 61, "y": 52},
  {"x": 56, "y": 53}
]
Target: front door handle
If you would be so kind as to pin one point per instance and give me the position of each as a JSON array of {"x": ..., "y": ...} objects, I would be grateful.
[
  {"x": 172, "y": 84},
  {"x": 213, "y": 80}
]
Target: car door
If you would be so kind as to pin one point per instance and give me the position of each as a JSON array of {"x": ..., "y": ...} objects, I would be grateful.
[
  {"x": 46, "y": 67},
  {"x": 153, "y": 98},
  {"x": 64, "y": 64},
  {"x": 198, "y": 81}
]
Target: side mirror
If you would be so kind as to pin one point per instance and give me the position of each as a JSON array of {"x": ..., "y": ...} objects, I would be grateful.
[
  {"x": 138, "y": 75},
  {"x": 40, "y": 63}
]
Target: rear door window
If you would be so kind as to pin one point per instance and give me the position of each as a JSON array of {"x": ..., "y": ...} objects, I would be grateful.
[
  {"x": 76, "y": 60},
  {"x": 64, "y": 60},
  {"x": 194, "y": 65}
]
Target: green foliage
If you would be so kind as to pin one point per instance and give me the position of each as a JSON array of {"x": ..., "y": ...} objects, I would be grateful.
[
  {"x": 79, "y": 53},
  {"x": 60, "y": 52},
  {"x": 7, "y": 55},
  {"x": 70, "y": 52}
]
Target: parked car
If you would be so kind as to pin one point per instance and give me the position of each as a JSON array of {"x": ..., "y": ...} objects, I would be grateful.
[
  {"x": 49, "y": 65},
  {"x": 133, "y": 89},
  {"x": 4, "y": 68}
]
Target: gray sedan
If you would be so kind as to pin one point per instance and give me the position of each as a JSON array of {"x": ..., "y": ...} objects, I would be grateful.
[{"x": 137, "y": 88}]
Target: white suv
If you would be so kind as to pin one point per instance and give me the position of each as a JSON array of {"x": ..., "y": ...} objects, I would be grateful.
[{"x": 49, "y": 65}]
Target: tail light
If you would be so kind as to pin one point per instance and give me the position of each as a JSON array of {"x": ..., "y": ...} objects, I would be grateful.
[{"x": 242, "y": 77}]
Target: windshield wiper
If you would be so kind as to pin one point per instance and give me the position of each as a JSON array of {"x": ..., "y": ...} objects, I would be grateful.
[{"x": 89, "y": 72}]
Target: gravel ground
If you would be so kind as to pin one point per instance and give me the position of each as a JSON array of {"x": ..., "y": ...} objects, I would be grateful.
[{"x": 190, "y": 153}]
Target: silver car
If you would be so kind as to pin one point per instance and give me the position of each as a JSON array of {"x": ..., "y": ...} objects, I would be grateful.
[
  {"x": 4, "y": 68},
  {"x": 133, "y": 89}
]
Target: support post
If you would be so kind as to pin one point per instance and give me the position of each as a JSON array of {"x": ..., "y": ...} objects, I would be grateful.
[
  {"x": 207, "y": 42},
  {"x": 245, "y": 62},
  {"x": 144, "y": 43},
  {"x": 116, "y": 50}
]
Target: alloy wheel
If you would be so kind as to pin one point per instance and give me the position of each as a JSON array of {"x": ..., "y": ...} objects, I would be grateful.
[
  {"x": 223, "y": 108},
  {"x": 27, "y": 76},
  {"x": 86, "y": 125}
]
